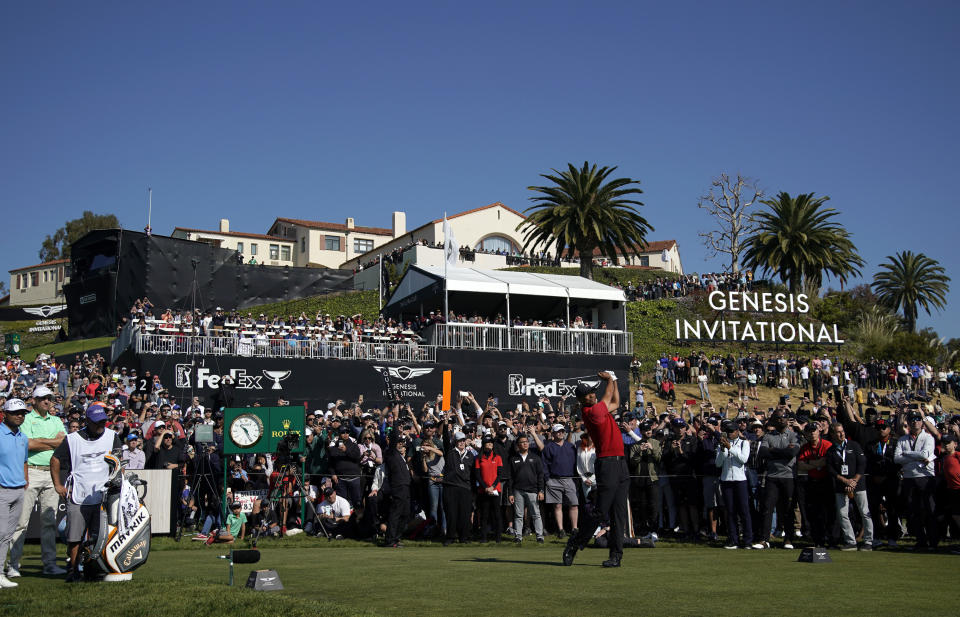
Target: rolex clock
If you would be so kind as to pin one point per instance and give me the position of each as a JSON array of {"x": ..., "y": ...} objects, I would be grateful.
[{"x": 246, "y": 430}]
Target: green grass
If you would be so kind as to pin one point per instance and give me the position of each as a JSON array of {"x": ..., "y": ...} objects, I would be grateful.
[
  {"x": 67, "y": 347},
  {"x": 347, "y": 303},
  {"x": 349, "y": 578}
]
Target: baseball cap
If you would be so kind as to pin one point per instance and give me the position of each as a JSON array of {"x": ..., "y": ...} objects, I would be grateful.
[
  {"x": 948, "y": 437},
  {"x": 881, "y": 423},
  {"x": 646, "y": 426},
  {"x": 583, "y": 389},
  {"x": 678, "y": 422},
  {"x": 159, "y": 424},
  {"x": 457, "y": 436},
  {"x": 14, "y": 405},
  {"x": 329, "y": 491},
  {"x": 42, "y": 391},
  {"x": 132, "y": 436},
  {"x": 487, "y": 439},
  {"x": 344, "y": 429},
  {"x": 96, "y": 413},
  {"x": 915, "y": 416},
  {"x": 556, "y": 428},
  {"x": 331, "y": 405},
  {"x": 235, "y": 505}
]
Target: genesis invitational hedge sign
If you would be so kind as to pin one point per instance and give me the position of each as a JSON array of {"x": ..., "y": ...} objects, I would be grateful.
[{"x": 752, "y": 330}]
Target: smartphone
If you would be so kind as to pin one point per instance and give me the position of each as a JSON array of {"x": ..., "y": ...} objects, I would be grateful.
[
  {"x": 464, "y": 394},
  {"x": 690, "y": 402},
  {"x": 519, "y": 407},
  {"x": 913, "y": 406}
]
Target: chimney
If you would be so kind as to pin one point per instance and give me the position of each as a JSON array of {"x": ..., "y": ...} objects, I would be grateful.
[
  {"x": 350, "y": 223},
  {"x": 399, "y": 224},
  {"x": 224, "y": 225}
]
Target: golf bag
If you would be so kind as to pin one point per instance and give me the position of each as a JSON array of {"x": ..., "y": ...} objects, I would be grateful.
[{"x": 120, "y": 542}]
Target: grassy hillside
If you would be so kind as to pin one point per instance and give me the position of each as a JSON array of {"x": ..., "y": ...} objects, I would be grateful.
[
  {"x": 29, "y": 339},
  {"x": 346, "y": 303}
]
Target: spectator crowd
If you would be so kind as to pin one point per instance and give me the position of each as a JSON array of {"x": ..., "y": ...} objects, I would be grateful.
[{"x": 825, "y": 471}]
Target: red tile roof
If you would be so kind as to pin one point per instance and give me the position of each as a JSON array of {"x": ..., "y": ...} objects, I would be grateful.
[
  {"x": 46, "y": 263},
  {"x": 493, "y": 205},
  {"x": 653, "y": 246},
  {"x": 377, "y": 231},
  {"x": 238, "y": 234}
]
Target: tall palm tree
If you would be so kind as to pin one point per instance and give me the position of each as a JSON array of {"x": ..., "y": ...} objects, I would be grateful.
[
  {"x": 582, "y": 211},
  {"x": 910, "y": 280},
  {"x": 798, "y": 241}
]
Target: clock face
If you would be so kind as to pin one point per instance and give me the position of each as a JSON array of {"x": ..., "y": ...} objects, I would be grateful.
[{"x": 246, "y": 430}]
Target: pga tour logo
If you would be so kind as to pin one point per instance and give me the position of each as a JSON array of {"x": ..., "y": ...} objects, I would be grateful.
[
  {"x": 517, "y": 385},
  {"x": 244, "y": 381}
]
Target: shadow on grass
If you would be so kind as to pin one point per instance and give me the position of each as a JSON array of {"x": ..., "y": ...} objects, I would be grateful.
[{"x": 520, "y": 561}]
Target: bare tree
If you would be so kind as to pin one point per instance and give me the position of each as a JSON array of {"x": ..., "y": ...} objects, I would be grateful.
[{"x": 730, "y": 203}]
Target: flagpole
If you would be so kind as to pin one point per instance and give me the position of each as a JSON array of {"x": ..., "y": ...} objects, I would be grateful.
[
  {"x": 380, "y": 283},
  {"x": 446, "y": 300}
]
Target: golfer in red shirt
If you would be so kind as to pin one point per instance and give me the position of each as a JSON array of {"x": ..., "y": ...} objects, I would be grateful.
[{"x": 613, "y": 479}]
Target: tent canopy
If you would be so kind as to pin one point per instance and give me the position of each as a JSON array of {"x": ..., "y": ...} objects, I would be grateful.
[{"x": 531, "y": 294}]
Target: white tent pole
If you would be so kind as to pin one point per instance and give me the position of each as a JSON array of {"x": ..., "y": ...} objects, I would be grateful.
[{"x": 509, "y": 323}]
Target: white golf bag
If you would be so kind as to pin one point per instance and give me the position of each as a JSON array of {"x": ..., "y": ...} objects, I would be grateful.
[{"x": 120, "y": 542}]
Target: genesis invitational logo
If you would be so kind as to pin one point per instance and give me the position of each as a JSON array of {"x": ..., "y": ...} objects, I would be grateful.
[
  {"x": 394, "y": 391},
  {"x": 517, "y": 385},
  {"x": 45, "y": 310},
  {"x": 245, "y": 381}
]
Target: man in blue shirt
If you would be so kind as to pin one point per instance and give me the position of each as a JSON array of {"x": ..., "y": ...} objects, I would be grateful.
[
  {"x": 13, "y": 477},
  {"x": 559, "y": 467}
]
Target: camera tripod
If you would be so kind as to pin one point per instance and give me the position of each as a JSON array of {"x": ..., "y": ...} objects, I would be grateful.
[
  {"x": 205, "y": 496},
  {"x": 276, "y": 495}
]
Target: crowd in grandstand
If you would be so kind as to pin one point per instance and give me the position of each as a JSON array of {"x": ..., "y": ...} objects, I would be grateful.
[{"x": 822, "y": 470}]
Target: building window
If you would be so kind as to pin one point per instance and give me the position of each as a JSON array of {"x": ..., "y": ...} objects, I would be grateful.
[
  {"x": 274, "y": 251},
  {"x": 253, "y": 248},
  {"x": 44, "y": 276},
  {"x": 18, "y": 281},
  {"x": 362, "y": 246},
  {"x": 333, "y": 243},
  {"x": 303, "y": 244},
  {"x": 240, "y": 247},
  {"x": 644, "y": 260},
  {"x": 498, "y": 244},
  {"x": 34, "y": 279},
  {"x": 285, "y": 253},
  {"x": 60, "y": 274}
]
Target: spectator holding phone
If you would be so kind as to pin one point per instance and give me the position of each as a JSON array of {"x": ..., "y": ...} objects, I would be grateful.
[{"x": 915, "y": 454}]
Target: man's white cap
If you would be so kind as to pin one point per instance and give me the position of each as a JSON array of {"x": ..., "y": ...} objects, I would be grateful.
[
  {"x": 41, "y": 391},
  {"x": 457, "y": 436},
  {"x": 556, "y": 428},
  {"x": 159, "y": 424},
  {"x": 331, "y": 405},
  {"x": 14, "y": 404}
]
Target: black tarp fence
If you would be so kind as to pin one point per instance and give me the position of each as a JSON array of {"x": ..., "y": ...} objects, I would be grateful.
[
  {"x": 512, "y": 377},
  {"x": 111, "y": 269}
]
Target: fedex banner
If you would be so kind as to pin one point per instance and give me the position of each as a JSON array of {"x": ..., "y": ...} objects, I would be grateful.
[{"x": 509, "y": 376}]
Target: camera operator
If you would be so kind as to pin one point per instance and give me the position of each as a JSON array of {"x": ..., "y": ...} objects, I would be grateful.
[
  {"x": 335, "y": 513},
  {"x": 344, "y": 455},
  {"x": 165, "y": 450},
  {"x": 398, "y": 475},
  {"x": 645, "y": 457}
]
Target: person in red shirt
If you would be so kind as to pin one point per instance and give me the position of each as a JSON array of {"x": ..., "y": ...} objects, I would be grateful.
[
  {"x": 489, "y": 467},
  {"x": 812, "y": 461},
  {"x": 950, "y": 469},
  {"x": 613, "y": 479}
]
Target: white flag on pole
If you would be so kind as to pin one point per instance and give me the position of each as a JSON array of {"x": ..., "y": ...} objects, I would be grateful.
[{"x": 450, "y": 246}]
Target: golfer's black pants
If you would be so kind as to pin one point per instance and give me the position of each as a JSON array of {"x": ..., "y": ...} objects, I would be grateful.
[
  {"x": 491, "y": 515},
  {"x": 457, "y": 504},
  {"x": 399, "y": 513},
  {"x": 613, "y": 487}
]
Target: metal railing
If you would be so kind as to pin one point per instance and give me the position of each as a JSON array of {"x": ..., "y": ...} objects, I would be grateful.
[
  {"x": 491, "y": 337},
  {"x": 283, "y": 348}
]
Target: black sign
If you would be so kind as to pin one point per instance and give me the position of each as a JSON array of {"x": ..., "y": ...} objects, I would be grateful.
[
  {"x": 510, "y": 376},
  {"x": 36, "y": 313}
]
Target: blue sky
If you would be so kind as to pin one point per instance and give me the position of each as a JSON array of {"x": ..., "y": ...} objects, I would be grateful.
[{"x": 315, "y": 110}]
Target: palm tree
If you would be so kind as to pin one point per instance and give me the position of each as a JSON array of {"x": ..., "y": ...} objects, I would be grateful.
[
  {"x": 908, "y": 280},
  {"x": 798, "y": 241},
  {"x": 579, "y": 212}
]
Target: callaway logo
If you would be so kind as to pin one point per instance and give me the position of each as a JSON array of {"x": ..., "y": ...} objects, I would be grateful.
[
  {"x": 45, "y": 310},
  {"x": 517, "y": 385},
  {"x": 244, "y": 381},
  {"x": 403, "y": 372}
]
